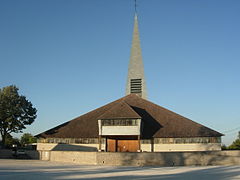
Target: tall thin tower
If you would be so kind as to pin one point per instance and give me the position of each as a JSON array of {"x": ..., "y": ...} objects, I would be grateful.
[{"x": 136, "y": 81}]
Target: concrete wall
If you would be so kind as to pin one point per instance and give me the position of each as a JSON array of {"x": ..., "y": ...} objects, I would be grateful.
[
  {"x": 146, "y": 147},
  {"x": 181, "y": 147},
  {"x": 145, "y": 159},
  {"x": 170, "y": 158},
  {"x": 8, "y": 154},
  {"x": 87, "y": 158},
  {"x": 32, "y": 154},
  {"x": 120, "y": 130},
  {"x": 44, "y": 155},
  {"x": 5, "y": 154},
  {"x": 187, "y": 147}
]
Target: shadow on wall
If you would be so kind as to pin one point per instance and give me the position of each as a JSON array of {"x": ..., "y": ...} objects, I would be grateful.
[
  {"x": 30, "y": 154},
  {"x": 71, "y": 147},
  {"x": 5, "y": 154},
  {"x": 26, "y": 154}
]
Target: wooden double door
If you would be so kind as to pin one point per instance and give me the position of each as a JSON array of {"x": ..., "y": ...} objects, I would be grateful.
[{"x": 122, "y": 145}]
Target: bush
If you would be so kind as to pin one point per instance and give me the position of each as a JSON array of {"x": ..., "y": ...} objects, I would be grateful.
[{"x": 236, "y": 144}]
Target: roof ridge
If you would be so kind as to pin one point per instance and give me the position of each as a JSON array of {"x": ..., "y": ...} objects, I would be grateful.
[{"x": 120, "y": 110}]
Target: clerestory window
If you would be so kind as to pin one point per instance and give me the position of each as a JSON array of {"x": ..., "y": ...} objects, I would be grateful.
[{"x": 119, "y": 122}]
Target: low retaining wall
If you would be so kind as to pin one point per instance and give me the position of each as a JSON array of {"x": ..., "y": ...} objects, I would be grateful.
[
  {"x": 88, "y": 158},
  {"x": 170, "y": 158},
  {"x": 145, "y": 158},
  {"x": 32, "y": 154},
  {"x": 6, "y": 154}
]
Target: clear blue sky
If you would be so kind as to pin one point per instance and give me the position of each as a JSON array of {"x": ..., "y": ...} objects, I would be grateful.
[{"x": 71, "y": 56}]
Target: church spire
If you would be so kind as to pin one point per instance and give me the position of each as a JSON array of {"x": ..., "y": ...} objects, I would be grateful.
[{"x": 136, "y": 81}]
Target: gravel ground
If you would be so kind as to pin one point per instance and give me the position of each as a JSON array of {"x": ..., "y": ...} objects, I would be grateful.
[{"x": 35, "y": 169}]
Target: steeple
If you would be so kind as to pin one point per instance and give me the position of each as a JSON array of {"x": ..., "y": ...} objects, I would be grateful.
[{"x": 136, "y": 81}]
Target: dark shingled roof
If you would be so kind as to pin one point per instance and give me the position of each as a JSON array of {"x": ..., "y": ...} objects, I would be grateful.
[
  {"x": 158, "y": 122},
  {"x": 119, "y": 111}
]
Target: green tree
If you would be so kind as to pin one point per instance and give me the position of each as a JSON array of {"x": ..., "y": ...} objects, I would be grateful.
[
  {"x": 27, "y": 138},
  {"x": 236, "y": 144},
  {"x": 224, "y": 147},
  {"x": 15, "y": 112},
  {"x": 9, "y": 141}
]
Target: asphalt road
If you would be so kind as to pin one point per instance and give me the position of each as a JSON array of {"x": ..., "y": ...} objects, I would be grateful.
[{"x": 35, "y": 170}]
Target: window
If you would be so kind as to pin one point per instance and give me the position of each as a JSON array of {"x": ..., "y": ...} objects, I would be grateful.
[
  {"x": 136, "y": 86},
  {"x": 196, "y": 140},
  {"x": 119, "y": 122}
]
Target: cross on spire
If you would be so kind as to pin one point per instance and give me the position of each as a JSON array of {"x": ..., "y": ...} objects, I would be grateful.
[{"x": 135, "y": 5}]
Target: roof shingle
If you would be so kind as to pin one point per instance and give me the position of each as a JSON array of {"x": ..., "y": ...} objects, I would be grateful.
[
  {"x": 158, "y": 122},
  {"x": 120, "y": 111}
]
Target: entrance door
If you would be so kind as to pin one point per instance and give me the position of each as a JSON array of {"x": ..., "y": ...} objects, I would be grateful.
[
  {"x": 120, "y": 144},
  {"x": 111, "y": 145},
  {"x": 127, "y": 145}
]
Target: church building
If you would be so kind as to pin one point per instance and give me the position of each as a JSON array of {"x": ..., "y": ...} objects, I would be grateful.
[{"x": 131, "y": 123}]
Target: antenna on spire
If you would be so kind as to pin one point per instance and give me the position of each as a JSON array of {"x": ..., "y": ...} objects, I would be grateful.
[{"x": 135, "y": 6}]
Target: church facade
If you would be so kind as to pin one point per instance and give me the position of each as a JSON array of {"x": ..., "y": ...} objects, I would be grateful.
[{"x": 131, "y": 123}]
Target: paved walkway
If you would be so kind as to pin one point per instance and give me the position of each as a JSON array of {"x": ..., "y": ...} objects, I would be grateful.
[{"x": 34, "y": 170}]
